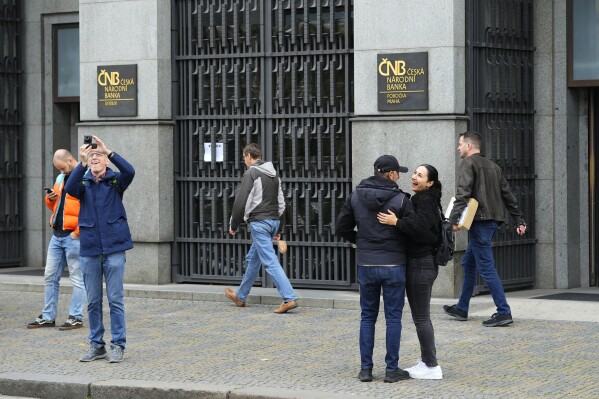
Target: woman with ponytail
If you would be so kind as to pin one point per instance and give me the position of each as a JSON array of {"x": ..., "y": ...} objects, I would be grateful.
[{"x": 423, "y": 228}]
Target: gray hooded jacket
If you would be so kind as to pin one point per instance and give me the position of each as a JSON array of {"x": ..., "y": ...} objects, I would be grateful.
[{"x": 260, "y": 196}]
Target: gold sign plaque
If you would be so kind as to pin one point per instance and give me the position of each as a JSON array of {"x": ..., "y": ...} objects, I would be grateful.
[
  {"x": 402, "y": 81},
  {"x": 117, "y": 90}
]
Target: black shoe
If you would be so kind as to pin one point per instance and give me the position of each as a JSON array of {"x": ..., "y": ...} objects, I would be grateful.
[
  {"x": 72, "y": 323},
  {"x": 365, "y": 375},
  {"x": 41, "y": 322},
  {"x": 453, "y": 311},
  {"x": 397, "y": 375},
  {"x": 498, "y": 320}
]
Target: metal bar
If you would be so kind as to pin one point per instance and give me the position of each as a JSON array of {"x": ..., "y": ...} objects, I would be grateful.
[
  {"x": 11, "y": 183},
  {"x": 268, "y": 50},
  {"x": 499, "y": 91}
]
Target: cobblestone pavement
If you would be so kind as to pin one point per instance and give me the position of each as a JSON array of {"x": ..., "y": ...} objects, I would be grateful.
[{"x": 307, "y": 349}]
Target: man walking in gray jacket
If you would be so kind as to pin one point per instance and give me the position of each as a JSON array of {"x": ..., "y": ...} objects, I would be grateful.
[
  {"x": 261, "y": 204},
  {"x": 483, "y": 180}
]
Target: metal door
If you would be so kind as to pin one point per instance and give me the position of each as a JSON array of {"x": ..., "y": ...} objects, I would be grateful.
[
  {"x": 277, "y": 73},
  {"x": 500, "y": 93},
  {"x": 593, "y": 187},
  {"x": 11, "y": 223}
]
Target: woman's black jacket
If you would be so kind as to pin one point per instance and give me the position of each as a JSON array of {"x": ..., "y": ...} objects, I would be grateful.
[{"x": 423, "y": 226}]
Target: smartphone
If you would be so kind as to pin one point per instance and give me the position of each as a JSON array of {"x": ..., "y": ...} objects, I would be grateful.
[
  {"x": 48, "y": 190},
  {"x": 88, "y": 140}
]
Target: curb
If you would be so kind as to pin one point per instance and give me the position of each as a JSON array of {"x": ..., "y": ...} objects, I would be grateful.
[
  {"x": 46, "y": 386},
  {"x": 178, "y": 292}
]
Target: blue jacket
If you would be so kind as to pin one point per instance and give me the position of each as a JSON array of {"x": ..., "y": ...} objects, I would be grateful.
[
  {"x": 377, "y": 244},
  {"x": 102, "y": 218}
]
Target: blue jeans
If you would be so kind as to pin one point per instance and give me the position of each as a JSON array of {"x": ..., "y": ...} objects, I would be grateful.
[
  {"x": 478, "y": 256},
  {"x": 61, "y": 250},
  {"x": 112, "y": 268},
  {"x": 262, "y": 252},
  {"x": 392, "y": 280}
]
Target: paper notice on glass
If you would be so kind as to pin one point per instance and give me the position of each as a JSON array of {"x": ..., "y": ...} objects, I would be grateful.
[
  {"x": 467, "y": 214},
  {"x": 208, "y": 152},
  {"x": 219, "y": 152}
]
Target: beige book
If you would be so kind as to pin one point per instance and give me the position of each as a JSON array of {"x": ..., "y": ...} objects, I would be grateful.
[{"x": 467, "y": 215}]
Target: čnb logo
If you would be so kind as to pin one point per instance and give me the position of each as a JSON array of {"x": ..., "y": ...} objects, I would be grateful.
[
  {"x": 105, "y": 78},
  {"x": 387, "y": 67}
]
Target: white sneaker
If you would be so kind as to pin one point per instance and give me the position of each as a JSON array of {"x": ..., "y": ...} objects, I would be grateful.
[
  {"x": 427, "y": 373},
  {"x": 418, "y": 366}
]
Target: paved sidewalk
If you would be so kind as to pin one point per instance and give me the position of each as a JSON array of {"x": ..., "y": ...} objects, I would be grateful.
[{"x": 195, "y": 343}]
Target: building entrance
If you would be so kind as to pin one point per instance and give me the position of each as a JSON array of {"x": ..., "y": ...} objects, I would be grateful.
[
  {"x": 277, "y": 73},
  {"x": 499, "y": 94}
]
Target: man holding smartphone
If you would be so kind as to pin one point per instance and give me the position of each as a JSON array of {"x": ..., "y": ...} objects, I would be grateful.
[
  {"x": 105, "y": 237},
  {"x": 64, "y": 246}
]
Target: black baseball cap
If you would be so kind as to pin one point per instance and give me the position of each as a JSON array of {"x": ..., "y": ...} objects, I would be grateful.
[{"x": 387, "y": 163}]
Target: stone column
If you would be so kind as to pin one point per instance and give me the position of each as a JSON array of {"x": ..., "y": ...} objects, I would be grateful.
[
  {"x": 135, "y": 32},
  {"x": 414, "y": 137},
  {"x": 561, "y": 157}
]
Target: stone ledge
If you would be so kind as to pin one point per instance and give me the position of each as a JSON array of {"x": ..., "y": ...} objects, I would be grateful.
[
  {"x": 46, "y": 386},
  {"x": 133, "y": 389}
]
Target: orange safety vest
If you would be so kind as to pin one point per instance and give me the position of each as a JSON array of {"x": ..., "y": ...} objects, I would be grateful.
[{"x": 70, "y": 215}]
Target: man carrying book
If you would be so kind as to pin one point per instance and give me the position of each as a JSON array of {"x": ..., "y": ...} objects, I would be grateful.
[{"x": 483, "y": 180}]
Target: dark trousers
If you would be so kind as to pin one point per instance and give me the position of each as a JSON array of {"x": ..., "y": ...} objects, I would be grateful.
[
  {"x": 479, "y": 256},
  {"x": 392, "y": 281},
  {"x": 420, "y": 276}
]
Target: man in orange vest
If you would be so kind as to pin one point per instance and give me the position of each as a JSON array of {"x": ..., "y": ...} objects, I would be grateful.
[{"x": 64, "y": 246}]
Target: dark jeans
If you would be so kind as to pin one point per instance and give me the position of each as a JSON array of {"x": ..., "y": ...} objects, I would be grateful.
[
  {"x": 421, "y": 274},
  {"x": 479, "y": 256},
  {"x": 392, "y": 281}
]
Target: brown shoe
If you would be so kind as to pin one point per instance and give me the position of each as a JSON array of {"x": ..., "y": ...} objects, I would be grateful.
[
  {"x": 282, "y": 245},
  {"x": 232, "y": 296},
  {"x": 285, "y": 307}
]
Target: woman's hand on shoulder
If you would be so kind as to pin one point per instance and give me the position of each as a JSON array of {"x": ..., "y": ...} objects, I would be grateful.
[{"x": 387, "y": 218}]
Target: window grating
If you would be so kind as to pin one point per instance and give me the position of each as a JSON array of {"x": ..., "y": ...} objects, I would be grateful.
[
  {"x": 500, "y": 94},
  {"x": 277, "y": 73},
  {"x": 11, "y": 222}
]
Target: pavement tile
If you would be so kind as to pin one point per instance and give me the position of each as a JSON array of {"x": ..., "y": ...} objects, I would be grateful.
[{"x": 307, "y": 350}]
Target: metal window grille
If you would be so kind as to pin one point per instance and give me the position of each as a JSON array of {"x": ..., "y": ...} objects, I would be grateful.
[
  {"x": 11, "y": 228},
  {"x": 277, "y": 73},
  {"x": 500, "y": 94}
]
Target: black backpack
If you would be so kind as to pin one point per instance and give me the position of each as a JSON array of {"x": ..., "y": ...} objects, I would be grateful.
[{"x": 443, "y": 251}]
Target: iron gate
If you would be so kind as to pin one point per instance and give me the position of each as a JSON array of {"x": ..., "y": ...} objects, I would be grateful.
[
  {"x": 11, "y": 228},
  {"x": 499, "y": 91},
  {"x": 278, "y": 73}
]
